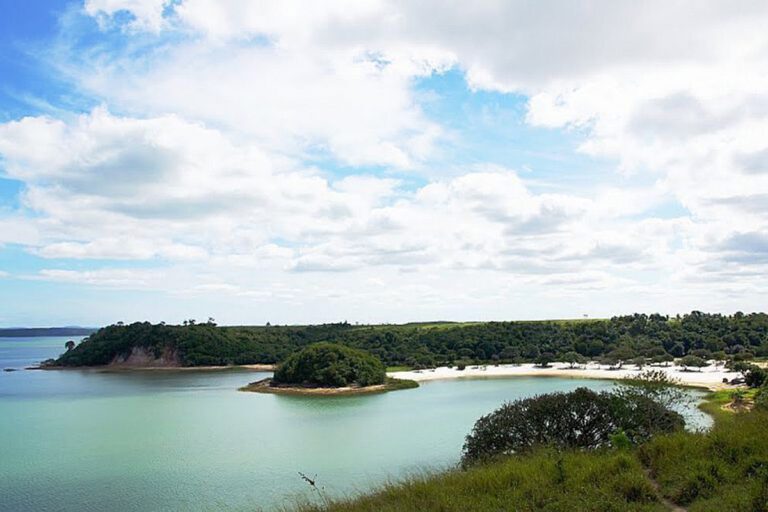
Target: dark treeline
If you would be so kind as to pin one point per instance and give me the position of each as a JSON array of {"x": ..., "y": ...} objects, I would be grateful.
[{"x": 654, "y": 338}]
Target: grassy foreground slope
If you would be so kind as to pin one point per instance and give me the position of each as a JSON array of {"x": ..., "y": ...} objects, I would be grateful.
[
  {"x": 725, "y": 469},
  {"x": 545, "y": 480}
]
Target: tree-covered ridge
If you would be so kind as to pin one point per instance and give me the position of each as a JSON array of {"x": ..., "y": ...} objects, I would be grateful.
[
  {"x": 330, "y": 365},
  {"x": 185, "y": 345},
  {"x": 620, "y": 338}
]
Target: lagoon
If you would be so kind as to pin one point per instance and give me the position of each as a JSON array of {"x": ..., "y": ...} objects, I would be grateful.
[{"x": 187, "y": 440}]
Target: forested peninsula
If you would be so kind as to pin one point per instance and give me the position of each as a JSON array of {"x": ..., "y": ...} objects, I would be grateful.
[{"x": 655, "y": 338}]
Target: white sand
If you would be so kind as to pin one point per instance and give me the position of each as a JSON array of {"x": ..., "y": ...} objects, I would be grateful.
[{"x": 710, "y": 377}]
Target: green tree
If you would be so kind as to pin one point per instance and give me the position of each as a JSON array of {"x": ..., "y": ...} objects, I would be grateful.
[
  {"x": 545, "y": 359},
  {"x": 573, "y": 358},
  {"x": 332, "y": 365},
  {"x": 580, "y": 419},
  {"x": 754, "y": 376},
  {"x": 654, "y": 385},
  {"x": 620, "y": 355},
  {"x": 692, "y": 362}
]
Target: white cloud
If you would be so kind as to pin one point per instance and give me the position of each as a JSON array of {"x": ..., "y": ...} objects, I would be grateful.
[
  {"x": 118, "y": 278},
  {"x": 164, "y": 188},
  {"x": 206, "y": 165},
  {"x": 294, "y": 98}
]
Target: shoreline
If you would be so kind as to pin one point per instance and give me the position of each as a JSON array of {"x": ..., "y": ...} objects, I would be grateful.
[
  {"x": 710, "y": 377},
  {"x": 131, "y": 368},
  {"x": 265, "y": 386}
]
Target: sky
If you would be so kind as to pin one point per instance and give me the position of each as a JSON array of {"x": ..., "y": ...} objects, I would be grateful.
[{"x": 378, "y": 161}]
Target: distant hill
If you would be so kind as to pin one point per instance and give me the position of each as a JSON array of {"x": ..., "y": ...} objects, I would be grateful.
[
  {"x": 638, "y": 338},
  {"x": 31, "y": 332}
]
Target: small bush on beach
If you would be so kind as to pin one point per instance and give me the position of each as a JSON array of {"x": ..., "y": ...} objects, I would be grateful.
[{"x": 692, "y": 362}]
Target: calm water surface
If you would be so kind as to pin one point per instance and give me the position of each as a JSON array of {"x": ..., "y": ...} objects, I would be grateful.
[{"x": 172, "y": 441}]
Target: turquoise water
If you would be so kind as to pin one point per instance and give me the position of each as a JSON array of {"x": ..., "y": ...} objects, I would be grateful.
[{"x": 172, "y": 441}]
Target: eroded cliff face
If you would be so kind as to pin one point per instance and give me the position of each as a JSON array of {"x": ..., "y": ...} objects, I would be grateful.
[{"x": 142, "y": 357}]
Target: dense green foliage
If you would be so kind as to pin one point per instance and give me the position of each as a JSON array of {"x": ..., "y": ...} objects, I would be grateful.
[
  {"x": 330, "y": 365},
  {"x": 621, "y": 339},
  {"x": 188, "y": 345},
  {"x": 580, "y": 419},
  {"x": 724, "y": 469},
  {"x": 691, "y": 361},
  {"x": 754, "y": 376},
  {"x": 761, "y": 398}
]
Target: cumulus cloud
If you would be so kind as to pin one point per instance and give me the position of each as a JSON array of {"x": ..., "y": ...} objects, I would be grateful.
[
  {"x": 169, "y": 189},
  {"x": 212, "y": 161}
]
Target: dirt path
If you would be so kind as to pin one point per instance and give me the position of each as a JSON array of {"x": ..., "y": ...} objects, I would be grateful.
[{"x": 664, "y": 501}]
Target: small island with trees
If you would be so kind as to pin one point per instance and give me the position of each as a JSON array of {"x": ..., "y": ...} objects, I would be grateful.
[{"x": 329, "y": 369}]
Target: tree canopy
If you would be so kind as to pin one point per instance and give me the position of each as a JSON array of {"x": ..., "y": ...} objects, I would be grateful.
[
  {"x": 579, "y": 419},
  {"x": 656, "y": 338},
  {"x": 330, "y": 365}
]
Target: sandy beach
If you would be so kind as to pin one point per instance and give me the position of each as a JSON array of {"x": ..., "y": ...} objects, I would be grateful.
[{"x": 710, "y": 377}]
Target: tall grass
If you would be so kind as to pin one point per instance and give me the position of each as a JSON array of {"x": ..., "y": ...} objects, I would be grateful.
[
  {"x": 725, "y": 469},
  {"x": 545, "y": 480},
  {"x": 722, "y": 470}
]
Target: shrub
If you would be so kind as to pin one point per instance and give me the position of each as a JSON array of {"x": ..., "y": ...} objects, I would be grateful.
[
  {"x": 754, "y": 376},
  {"x": 545, "y": 359},
  {"x": 761, "y": 398},
  {"x": 579, "y": 419},
  {"x": 655, "y": 385},
  {"x": 620, "y": 440},
  {"x": 573, "y": 358},
  {"x": 692, "y": 361},
  {"x": 331, "y": 365}
]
